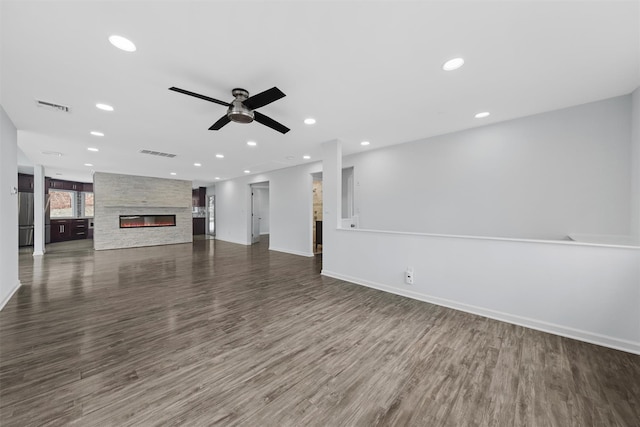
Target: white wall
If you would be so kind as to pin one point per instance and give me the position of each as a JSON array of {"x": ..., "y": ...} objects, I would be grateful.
[
  {"x": 589, "y": 293},
  {"x": 540, "y": 177},
  {"x": 8, "y": 208},
  {"x": 290, "y": 209},
  {"x": 635, "y": 165}
]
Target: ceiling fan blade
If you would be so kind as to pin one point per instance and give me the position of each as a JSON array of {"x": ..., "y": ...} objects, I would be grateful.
[
  {"x": 197, "y": 95},
  {"x": 217, "y": 125},
  {"x": 268, "y": 121},
  {"x": 263, "y": 98}
]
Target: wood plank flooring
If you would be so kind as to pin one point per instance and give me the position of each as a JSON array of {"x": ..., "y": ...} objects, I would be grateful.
[{"x": 220, "y": 334}]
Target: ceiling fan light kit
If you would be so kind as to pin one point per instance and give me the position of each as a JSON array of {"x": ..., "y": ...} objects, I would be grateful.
[
  {"x": 241, "y": 109},
  {"x": 237, "y": 111}
]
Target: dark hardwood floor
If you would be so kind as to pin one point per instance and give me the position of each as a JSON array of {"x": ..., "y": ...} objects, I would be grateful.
[{"x": 220, "y": 334}]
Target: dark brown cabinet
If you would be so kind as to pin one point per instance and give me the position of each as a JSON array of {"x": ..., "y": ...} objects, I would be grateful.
[
  {"x": 57, "y": 184},
  {"x": 60, "y": 230},
  {"x": 73, "y": 186},
  {"x": 25, "y": 183},
  {"x": 198, "y": 226},
  {"x": 63, "y": 230},
  {"x": 79, "y": 229},
  {"x": 199, "y": 197}
]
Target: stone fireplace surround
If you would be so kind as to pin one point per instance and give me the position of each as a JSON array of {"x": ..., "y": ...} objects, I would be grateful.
[{"x": 127, "y": 195}]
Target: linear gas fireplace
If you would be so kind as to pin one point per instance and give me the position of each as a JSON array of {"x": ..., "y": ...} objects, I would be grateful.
[{"x": 138, "y": 221}]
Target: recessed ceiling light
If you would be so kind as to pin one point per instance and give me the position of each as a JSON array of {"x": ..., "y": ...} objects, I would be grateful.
[
  {"x": 252, "y": 143},
  {"x": 217, "y": 177},
  {"x": 122, "y": 43},
  {"x": 220, "y": 156},
  {"x": 482, "y": 115},
  {"x": 104, "y": 107},
  {"x": 453, "y": 64},
  {"x": 365, "y": 143},
  {"x": 88, "y": 164},
  {"x": 173, "y": 173},
  {"x": 92, "y": 149},
  {"x": 306, "y": 157},
  {"x": 96, "y": 133},
  {"x": 309, "y": 121},
  {"x": 247, "y": 171},
  {"x": 197, "y": 164}
]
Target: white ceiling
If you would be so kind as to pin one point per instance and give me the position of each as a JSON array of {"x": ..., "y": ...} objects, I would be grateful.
[{"x": 365, "y": 70}]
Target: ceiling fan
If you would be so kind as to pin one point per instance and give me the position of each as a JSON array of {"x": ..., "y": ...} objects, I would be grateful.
[{"x": 241, "y": 109}]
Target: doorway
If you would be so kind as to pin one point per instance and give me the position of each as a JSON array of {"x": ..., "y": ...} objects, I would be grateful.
[
  {"x": 259, "y": 211},
  {"x": 211, "y": 215},
  {"x": 317, "y": 213}
]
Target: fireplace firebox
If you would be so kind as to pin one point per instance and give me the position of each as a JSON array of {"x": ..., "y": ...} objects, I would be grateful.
[{"x": 141, "y": 221}]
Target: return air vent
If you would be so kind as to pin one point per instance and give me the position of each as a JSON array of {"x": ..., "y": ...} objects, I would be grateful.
[
  {"x": 53, "y": 106},
  {"x": 157, "y": 153}
]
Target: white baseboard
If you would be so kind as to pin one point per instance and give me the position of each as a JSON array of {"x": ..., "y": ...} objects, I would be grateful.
[
  {"x": 237, "y": 242},
  {"x": 10, "y": 294},
  {"x": 289, "y": 251},
  {"x": 564, "y": 331}
]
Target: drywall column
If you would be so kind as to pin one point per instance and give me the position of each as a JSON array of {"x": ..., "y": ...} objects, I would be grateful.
[
  {"x": 331, "y": 199},
  {"x": 38, "y": 210},
  {"x": 9, "y": 282},
  {"x": 635, "y": 164}
]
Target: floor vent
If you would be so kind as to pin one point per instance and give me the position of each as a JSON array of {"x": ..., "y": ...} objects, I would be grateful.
[
  {"x": 157, "y": 153},
  {"x": 53, "y": 106}
]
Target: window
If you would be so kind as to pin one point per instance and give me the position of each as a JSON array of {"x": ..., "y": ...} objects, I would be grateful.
[
  {"x": 70, "y": 204},
  {"x": 62, "y": 203},
  {"x": 347, "y": 193},
  {"x": 87, "y": 201}
]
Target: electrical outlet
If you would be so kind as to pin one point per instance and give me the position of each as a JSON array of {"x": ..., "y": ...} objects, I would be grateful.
[{"x": 408, "y": 276}]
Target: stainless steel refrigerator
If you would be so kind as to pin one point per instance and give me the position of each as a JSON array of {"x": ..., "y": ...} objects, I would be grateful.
[{"x": 25, "y": 219}]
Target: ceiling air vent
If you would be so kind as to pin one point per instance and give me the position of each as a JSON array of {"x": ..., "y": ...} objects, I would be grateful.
[
  {"x": 53, "y": 106},
  {"x": 157, "y": 153}
]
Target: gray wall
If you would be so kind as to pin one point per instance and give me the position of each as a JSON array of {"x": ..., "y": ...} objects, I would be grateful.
[
  {"x": 635, "y": 165},
  {"x": 541, "y": 177},
  {"x": 117, "y": 195},
  {"x": 8, "y": 208}
]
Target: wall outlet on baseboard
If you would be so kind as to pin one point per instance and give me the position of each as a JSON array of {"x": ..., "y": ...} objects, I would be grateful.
[{"x": 408, "y": 276}]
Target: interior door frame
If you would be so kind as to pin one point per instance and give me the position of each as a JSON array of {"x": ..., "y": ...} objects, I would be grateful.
[
  {"x": 251, "y": 237},
  {"x": 255, "y": 218}
]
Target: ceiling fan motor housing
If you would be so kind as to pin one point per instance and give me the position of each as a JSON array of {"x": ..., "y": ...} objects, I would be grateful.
[{"x": 237, "y": 111}]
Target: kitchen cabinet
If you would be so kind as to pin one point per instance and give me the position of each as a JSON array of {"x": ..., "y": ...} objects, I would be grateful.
[
  {"x": 79, "y": 229},
  {"x": 73, "y": 186},
  {"x": 63, "y": 230},
  {"x": 25, "y": 183},
  {"x": 199, "y": 197},
  {"x": 60, "y": 184},
  {"x": 60, "y": 230},
  {"x": 57, "y": 184},
  {"x": 198, "y": 226}
]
